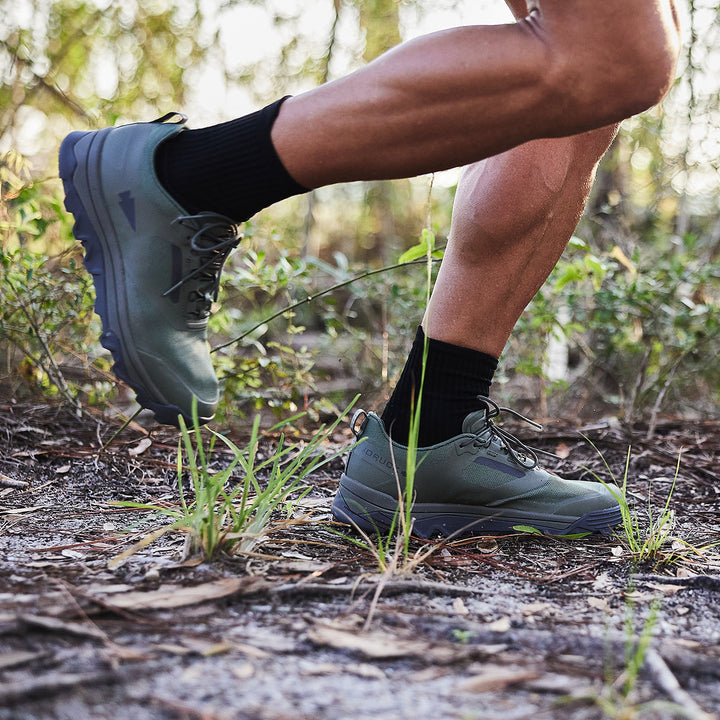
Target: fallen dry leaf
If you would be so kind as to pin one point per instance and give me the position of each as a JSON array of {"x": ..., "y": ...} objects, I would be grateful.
[
  {"x": 172, "y": 649},
  {"x": 71, "y": 628},
  {"x": 496, "y": 677},
  {"x": 140, "y": 448},
  {"x": 251, "y": 651},
  {"x": 372, "y": 645},
  {"x": 459, "y": 607},
  {"x": 365, "y": 670},
  {"x": 665, "y": 588},
  {"x": 536, "y": 607},
  {"x": 174, "y": 596},
  {"x": 206, "y": 648},
  {"x": 428, "y": 674},
  {"x": 243, "y": 671},
  {"x": 501, "y": 625},
  {"x": 598, "y": 603}
]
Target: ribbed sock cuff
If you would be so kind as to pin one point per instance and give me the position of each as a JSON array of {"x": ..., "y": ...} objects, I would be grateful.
[
  {"x": 454, "y": 377},
  {"x": 231, "y": 168}
]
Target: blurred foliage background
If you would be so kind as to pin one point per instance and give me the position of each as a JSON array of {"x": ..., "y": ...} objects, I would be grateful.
[{"x": 626, "y": 325}]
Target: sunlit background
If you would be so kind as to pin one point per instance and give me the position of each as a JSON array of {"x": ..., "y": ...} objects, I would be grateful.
[{"x": 652, "y": 225}]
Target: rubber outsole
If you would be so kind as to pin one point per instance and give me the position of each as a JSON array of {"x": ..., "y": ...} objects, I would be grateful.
[
  {"x": 95, "y": 262},
  {"x": 372, "y": 511}
]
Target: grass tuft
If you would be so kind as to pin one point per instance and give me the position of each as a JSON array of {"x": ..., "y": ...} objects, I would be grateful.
[{"x": 217, "y": 519}]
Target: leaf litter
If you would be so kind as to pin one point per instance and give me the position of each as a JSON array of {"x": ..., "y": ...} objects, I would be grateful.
[{"x": 495, "y": 627}]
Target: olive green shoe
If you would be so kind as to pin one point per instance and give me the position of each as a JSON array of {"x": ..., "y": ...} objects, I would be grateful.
[
  {"x": 156, "y": 268},
  {"x": 474, "y": 483}
]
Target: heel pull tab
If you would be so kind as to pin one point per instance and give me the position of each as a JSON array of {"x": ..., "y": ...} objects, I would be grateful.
[
  {"x": 358, "y": 431},
  {"x": 182, "y": 119}
]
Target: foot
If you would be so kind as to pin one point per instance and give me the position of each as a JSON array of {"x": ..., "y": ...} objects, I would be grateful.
[
  {"x": 156, "y": 268},
  {"x": 474, "y": 483}
]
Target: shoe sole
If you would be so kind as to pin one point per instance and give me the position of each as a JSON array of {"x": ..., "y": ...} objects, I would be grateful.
[
  {"x": 371, "y": 511},
  {"x": 101, "y": 261}
]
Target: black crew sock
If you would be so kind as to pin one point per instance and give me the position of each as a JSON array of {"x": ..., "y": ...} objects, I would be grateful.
[
  {"x": 231, "y": 168},
  {"x": 454, "y": 377}
]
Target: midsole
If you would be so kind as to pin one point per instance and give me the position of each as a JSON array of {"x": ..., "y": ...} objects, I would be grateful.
[
  {"x": 86, "y": 165},
  {"x": 361, "y": 499}
]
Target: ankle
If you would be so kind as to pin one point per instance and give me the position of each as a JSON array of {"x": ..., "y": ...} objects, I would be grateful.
[{"x": 231, "y": 169}]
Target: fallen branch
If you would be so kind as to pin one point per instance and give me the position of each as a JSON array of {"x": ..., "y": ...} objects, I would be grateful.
[
  {"x": 697, "y": 582},
  {"x": 52, "y": 684},
  {"x": 398, "y": 587},
  {"x": 664, "y": 679}
]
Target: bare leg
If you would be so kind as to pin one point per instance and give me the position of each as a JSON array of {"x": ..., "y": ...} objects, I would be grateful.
[
  {"x": 513, "y": 216},
  {"x": 458, "y": 96}
]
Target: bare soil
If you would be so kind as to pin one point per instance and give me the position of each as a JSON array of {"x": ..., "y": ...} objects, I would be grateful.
[{"x": 514, "y": 626}]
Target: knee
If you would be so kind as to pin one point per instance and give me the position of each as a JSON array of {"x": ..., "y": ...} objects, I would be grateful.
[
  {"x": 649, "y": 70},
  {"x": 618, "y": 66}
]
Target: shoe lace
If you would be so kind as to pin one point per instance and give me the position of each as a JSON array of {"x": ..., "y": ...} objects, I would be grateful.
[
  {"x": 518, "y": 451},
  {"x": 214, "y": 239}
]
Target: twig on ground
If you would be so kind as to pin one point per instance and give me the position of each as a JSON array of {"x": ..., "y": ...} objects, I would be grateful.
[
  {"x": 663, "y": 677},
  {"x": 389, "y": 588},
  {"x": 6, "y": 481},
  {"x": 697, "y": 582},
  {"x": 48, "y": 685}
]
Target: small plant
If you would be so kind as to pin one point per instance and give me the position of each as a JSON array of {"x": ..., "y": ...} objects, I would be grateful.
[
  {"x": 618, "y": 698},
  {"x": 645, "y": 541},
  {"x": 220, "y": 520},
  {"x": 391, "y": 548}
]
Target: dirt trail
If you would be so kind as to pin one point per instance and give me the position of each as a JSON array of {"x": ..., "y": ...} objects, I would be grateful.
[{"x": 502, "y": 627}]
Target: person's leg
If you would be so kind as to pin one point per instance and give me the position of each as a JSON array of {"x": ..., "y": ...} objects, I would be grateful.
[
  {"x": 147, "y": 198},
  {"x": 457, "y": 96},
  {"x": 513, "y": 216},
  {"x": 443, "y": 100}
]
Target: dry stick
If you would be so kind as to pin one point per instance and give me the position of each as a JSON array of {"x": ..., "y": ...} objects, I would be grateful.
[
  {"x": 703, "y": 582},
  {"x": 663, "y": 677},
  {"x": 52, "y": 684},
  {"x": 388, "y": 588},
  {"x": 6, "y": 481}
]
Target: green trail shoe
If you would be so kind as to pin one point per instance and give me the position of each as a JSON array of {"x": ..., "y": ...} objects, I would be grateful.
[
  {"x": 156, "y": 268},
  {"x": 474, "y": 483}
]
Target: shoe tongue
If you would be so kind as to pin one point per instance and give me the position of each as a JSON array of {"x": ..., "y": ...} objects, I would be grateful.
[{"x": 475, "y": 422}]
